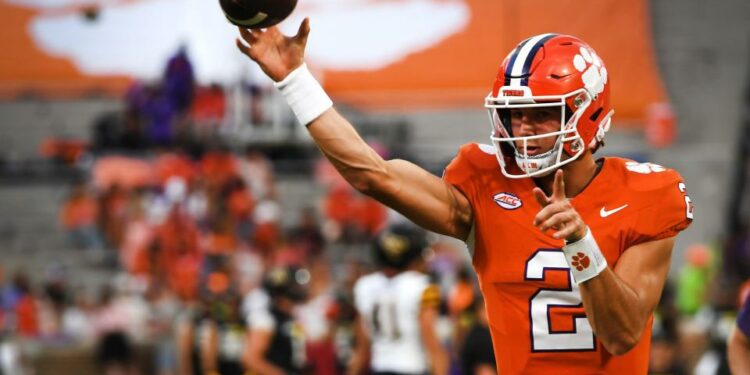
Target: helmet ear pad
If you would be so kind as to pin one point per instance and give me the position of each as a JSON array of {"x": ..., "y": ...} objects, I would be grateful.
[{"x": 589, "y": 120}]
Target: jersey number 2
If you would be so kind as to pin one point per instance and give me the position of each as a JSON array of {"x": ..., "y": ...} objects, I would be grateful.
[{"x": 543, "y": 339}]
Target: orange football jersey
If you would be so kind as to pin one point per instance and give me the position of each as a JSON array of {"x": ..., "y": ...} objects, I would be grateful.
[{"x": 535, "y": 312}]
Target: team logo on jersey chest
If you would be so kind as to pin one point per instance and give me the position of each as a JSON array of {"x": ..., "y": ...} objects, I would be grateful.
[{"x": 507, "y": 201}]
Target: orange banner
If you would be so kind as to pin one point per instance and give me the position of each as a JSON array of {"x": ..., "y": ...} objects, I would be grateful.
[
  {"x": 374, "y": 54},
  {"x": 460, "y": 70}
]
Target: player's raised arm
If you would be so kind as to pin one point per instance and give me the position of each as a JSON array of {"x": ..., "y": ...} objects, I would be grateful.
[{"x": 401, "y": 185}]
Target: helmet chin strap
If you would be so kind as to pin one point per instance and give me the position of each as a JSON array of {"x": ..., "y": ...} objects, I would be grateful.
[{"x": 532, "y": 164}]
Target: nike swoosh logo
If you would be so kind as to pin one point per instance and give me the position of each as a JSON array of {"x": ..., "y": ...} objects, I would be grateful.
[{"x": 604, "y": 213}]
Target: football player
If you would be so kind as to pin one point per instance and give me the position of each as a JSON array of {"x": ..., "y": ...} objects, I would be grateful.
[
  {"x": 738, "y": 344},
  {"x": 398, "y": 309},
  {"x": 275, "y": 343},
  {"x": 571, "y": 252}
]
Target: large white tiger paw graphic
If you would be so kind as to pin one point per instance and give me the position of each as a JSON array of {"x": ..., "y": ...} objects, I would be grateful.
[{"x": 594, "y": 73}]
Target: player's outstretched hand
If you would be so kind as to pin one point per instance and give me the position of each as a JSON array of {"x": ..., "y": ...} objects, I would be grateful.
[
  {"x": 277, "y": 54},
  {"x": 557, "y": 213}
]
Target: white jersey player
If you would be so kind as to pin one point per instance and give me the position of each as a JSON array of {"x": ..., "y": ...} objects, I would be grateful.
[{"x": 397, "y": 309}]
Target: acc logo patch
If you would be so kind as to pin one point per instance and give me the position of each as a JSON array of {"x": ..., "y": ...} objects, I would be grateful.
[{"x": 507, "y": 201}]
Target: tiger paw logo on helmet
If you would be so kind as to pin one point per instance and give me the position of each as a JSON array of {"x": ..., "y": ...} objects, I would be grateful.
[{"x": 594, "y": 73}]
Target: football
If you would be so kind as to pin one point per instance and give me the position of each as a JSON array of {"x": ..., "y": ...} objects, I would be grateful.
[{"x": 256, "y": 14}]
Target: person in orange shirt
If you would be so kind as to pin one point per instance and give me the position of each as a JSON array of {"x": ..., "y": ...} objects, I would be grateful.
[
  {"x": 78, "y": 217},
  {"x": 571, "y": 252}
]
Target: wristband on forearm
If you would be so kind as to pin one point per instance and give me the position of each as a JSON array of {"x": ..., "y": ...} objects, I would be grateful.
[
  {"x": 584, "y": 257},
  {"x": 304, "y": 94}
]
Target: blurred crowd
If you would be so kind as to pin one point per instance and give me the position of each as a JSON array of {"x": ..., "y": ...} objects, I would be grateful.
[
  {"x": 202, "y": 252},
  {"x": 190, "y": 243},
  {"x": 195, "y": 246}
]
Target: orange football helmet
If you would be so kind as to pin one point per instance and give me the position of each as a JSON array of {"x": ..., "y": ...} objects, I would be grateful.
[{"x": 550, "y": 70}]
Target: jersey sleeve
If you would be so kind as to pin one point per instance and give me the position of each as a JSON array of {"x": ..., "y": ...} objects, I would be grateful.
[
  {"x": 666, "y": 209},
  {"x": 460, "y": 170},
  {"x": 430, "y": 297}
]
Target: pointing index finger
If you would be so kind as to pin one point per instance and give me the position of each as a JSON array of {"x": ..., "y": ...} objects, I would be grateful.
[{"x": 558, "y": 186}]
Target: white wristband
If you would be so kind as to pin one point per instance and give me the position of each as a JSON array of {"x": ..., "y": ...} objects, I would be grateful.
[
  {"x": 304, "y": 94},
  {"x": 584, "y": 257}
]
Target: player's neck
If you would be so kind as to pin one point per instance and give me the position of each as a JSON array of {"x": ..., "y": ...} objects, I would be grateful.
[{"x": 578, "y": 174}]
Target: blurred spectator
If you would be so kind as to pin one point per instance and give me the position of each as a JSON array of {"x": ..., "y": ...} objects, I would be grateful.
[
  {"x": 352, "y": 217},
  {"x": 115, "y": 354},
  {"x": 163, "y": 310},
  {"x": 113, "y": 210},
  {"x": 307, "y": 234},
  {"x": 177, "y": 254},
  {"x": 176, "y": 237},
  {"x": 248, "y": 267},
  {"x": 369, "y": 216},
  {"x": 137, "y": 239},
  {"x": 170, "y": 163},
  {"x": 462, "y": 295},
  {"x": 211, "y": 337},
  {"x": 119, "y": 318},
  {"x": 179, "y": 81},
  {"x": 224, "y": 327},
  {"x": 257, "y": 172},
  {"x": 737, "y": 255},
  {"x": 78, "y": 217},
  {"x": 460, "y": 300},
  {"x": 267, "y": 232},
  {"x": 62, "y": 150},
  {"x": 338, "y": 206},
  {"x": 3, "y": 312},
  {"x": 315, "y": 318},
  {"x": 198, "y": 203},
  {"x": 240, "y": 205},
  {"x": 257, "y": 112},
  {"x": 183, "y": 275},
  {"x": 398, "y": 309},
  {"x": 276, "y": 342},
  {"x": 52, "y": 306},
  {"x": 738, "y": 344},
  {"x": 24, "y": 306},
  {"x": 108, "y": 315},
  {"x": 132, "y": 137},
  {"x": 218, "y": 167},
  {"x": 221, "y": 239},
  {"x": 208, "y": 110},
  {"x": 665, "y": 357},
  {"x": 477, "y": 356},
  {"x": 159, "y": 117},
  {"x": 76, "y": 325},
  {"x": 694, "y": 279}
]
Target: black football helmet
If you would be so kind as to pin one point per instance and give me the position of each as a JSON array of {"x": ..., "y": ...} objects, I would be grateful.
[{"x": 399, "y": 245}]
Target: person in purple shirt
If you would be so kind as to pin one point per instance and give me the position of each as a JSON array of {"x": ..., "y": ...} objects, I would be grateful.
[{"x": 738, "y": 344}]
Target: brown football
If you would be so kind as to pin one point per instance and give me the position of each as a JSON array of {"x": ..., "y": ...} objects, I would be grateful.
[{"x": 256, "y": 14}]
